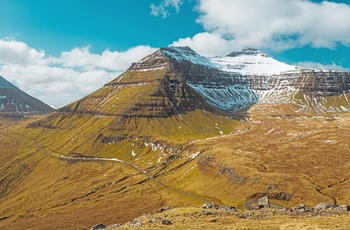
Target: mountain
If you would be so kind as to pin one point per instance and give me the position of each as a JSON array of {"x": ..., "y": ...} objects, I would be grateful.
[
  {"x": 16, "y": 103},
  {"x": 251, "y": 61},
  {"x": 274, "y": 82},
  {"x": 179, "y": 129},
  {"x": 172, "y": 94}
]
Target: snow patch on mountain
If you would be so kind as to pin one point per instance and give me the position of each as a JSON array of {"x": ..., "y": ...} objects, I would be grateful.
[
  {"x": 187, "y": 54},
  {"x": 228, "y": 98},
  {"x": 251, "y": 62}
]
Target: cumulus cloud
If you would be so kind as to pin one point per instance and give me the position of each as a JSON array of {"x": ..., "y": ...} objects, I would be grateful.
[
  {"x": 115, "y": 61},
  {"x": 61, "y": 80},
  {"x": 207, "y": 44},
  {"x": 315, "y": 65},
  {"x": 12, "y": 51},
  {"x": 163, "y": 8},
  {"x": 277, "y": 24}
]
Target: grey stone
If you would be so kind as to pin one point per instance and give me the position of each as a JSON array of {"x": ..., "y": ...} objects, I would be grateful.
[
  {"x": 98, "y": 227},
  {"x": 227, "y": 208},
  {"x": 114, "y": 226},
  {"x": 167, "y": 222},
  {"x": 210, "y": 205},
  {"x": 135, "y": 223},
  {"x": 166, "y": 208},
  {"x": 344, "y": 207},
  {"x": 321, "y": 206},
  {"x": 264, "y": 202},
  {"x": 207, "y": 213},
  {"x": 331, "y": 206}
]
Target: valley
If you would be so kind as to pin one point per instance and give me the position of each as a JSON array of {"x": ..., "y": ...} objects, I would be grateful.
[{"x": 176, "y": 130}]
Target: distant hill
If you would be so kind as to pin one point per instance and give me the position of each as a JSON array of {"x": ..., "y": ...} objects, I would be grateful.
[{"x": 16, "y": 103}]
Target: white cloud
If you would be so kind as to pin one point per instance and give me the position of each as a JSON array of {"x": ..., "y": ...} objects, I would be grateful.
[
  {"x": 116, "y": 61},
  {"x": 12, "y": 51},
  {"x": 207, "y": 44},
  {"x": 277, "y": 24},
  {"x": 315, "y": 65},
  {"x": 162, "y": 8},
  {"x": 61, "y": 80}
]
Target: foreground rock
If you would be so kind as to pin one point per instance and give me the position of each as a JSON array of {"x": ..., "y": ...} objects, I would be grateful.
[{"x": 209, "y": 213}]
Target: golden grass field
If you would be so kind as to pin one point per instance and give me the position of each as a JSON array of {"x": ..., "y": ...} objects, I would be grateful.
[
  {"x": 91, "y": 163},
  {"x": 304, "y": 155}
]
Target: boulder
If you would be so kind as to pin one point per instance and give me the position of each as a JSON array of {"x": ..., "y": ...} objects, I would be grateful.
[
  {"x": 264, "y": 202},
  {"x": 210, "y": 205},
  {"x": 167, "y": 222},
  {"x": 114, "y": 226},
  {"x": 207, "y": 213},
  {"x": 98, "y": 227},
  {"x": 165, "y": 208},
  {"x": 321, "y": 206},
  {"x": 344, "y": 207},
  {"x": 227, "y": 208}
]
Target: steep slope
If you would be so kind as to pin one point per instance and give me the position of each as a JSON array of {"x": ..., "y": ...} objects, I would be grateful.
[
  {"x": 173, "y": 95},
  {"x": 16, "y": 103},
  {"x": 319, "y": 91}
]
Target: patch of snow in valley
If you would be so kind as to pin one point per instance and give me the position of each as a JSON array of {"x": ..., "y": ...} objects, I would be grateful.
[
  {"x": 133, "y": 153},
  {"x": 328, "y": 141},
  {"x": 194, "y": 155}
]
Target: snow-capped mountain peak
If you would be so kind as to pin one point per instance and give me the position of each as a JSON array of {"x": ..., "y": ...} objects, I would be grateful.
[
  {"x": 250, "y": 61},
  {"x": 187, "y": 54},
  {"x": 247, "y": 51}
]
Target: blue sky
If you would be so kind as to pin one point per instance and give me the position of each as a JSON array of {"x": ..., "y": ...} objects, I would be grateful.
[
  {"x": 62, "y": 50},
  {"x": 55, "y": 26}
]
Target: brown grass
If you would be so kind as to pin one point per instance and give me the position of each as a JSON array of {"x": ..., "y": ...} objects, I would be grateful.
[{"x": 274, "y": 151}]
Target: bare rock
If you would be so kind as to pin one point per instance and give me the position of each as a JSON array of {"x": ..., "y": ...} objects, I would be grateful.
[
  {"x": 264, "y": 202},
  {"x": 344, "y": 207},
  {"x": 207, "y": 213},
  {"x": 165, "y": 208},
  {"x": 98, "y": 227},
  {"x": 210, "y": 205},
  {"x": 167, "y": 222},
  {"x": 227, "y": 208},
  {"x": 321, "y": 206},
  {"x": 114, "y": 226}
]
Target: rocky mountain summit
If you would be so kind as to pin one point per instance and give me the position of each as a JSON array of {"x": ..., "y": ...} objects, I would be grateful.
[
  {"x": 174, "y": 80},
  {"x": 278, "y": 83},
  {"x": 16, "y": 103}
]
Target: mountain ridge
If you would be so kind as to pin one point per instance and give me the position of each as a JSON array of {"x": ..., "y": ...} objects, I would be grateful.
[{"x": 16, "y": 103}]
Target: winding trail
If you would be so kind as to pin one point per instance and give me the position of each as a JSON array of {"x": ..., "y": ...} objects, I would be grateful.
[{"x": 144, "y": 172}]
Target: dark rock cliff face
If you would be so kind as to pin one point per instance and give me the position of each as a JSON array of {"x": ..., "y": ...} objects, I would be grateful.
[
  {"x": 170, "y": 82},
  {"x": 315, "y": 83},
  {"x": 247, "y": 51},
  {"x": 223, "y": 90}
]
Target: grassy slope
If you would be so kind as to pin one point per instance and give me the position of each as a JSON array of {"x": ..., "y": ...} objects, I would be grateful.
[
  {"x": 308, "y": 160},
  {"x": 276, "y": 150},
  {"x": 39, "y": 191}
]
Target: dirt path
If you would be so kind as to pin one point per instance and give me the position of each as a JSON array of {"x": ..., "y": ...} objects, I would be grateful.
[{"x": 82, "y": 158}]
